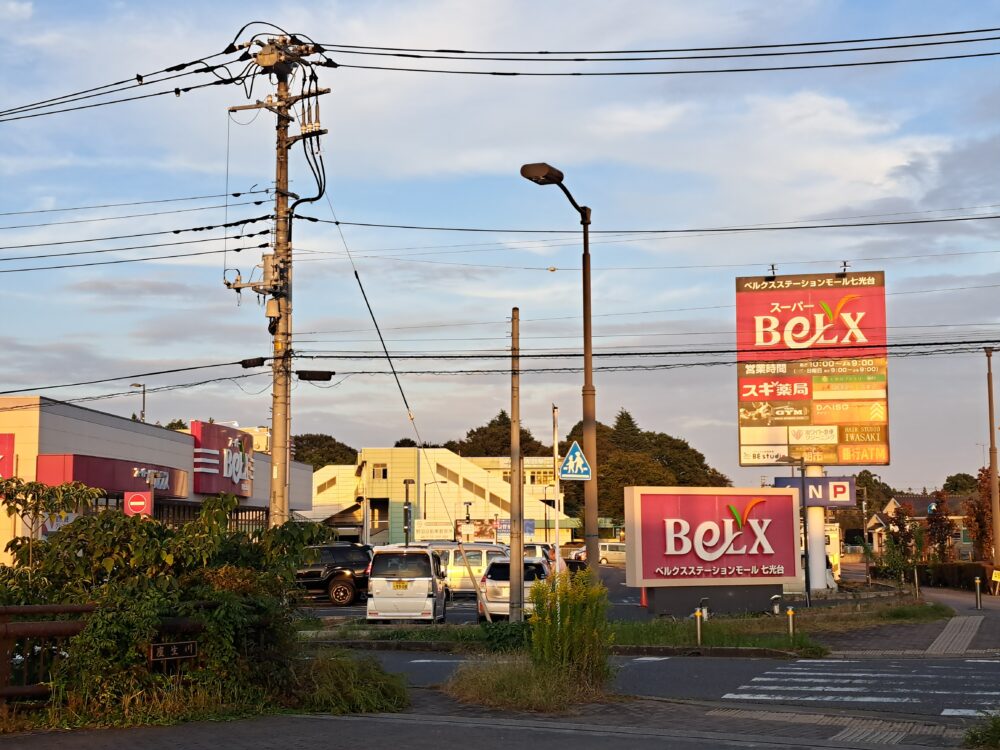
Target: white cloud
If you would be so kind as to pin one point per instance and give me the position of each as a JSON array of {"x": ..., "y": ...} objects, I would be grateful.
[{"x": 11, "y": 10}]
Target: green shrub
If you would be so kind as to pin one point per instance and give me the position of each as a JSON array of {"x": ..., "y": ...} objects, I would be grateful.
[
  {"x": 503, "y": 636},
  {"x": 985, "y": 734},
  {"x": 570, "y": 629}
]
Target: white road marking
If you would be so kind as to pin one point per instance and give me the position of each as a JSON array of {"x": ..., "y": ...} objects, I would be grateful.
[
  {"x": 982, "y": 661},
  {"x": 824, "y": 698},
  {"x": 812, "y": 688},
  {"x": 961, "y": 712},
  {"x": 436, "y": 661},
  {"x": 651, "y": 658},
  {"x": 824, "y": 688}
]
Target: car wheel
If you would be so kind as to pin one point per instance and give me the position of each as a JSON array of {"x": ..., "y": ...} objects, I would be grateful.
[
  {"x": 604, "y": 561},
  {"x": 341, "y": 593}
]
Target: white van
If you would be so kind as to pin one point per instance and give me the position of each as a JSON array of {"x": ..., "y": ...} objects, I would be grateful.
[
  {"x": 479, "y": 555},
  {"x": 406, "y": 583},
  {"x": 612, "y": 553}
]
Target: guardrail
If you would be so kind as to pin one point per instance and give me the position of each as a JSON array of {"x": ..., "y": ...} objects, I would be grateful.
[{"x": 30, "y": 647}]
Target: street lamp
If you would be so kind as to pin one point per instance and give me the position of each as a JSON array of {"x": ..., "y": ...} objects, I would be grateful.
[
  {"x": 801, "y": 463},
  {"x": 142, "y": 414},
  {"x": 423, "y": 500},
  {"x": 545, "y": 174}
]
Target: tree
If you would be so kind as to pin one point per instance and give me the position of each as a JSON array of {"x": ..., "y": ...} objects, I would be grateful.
[
  {"x": 320, "y": 450},
  {"x": 405, "y": 443},
  {"x": 626, "y": 435},
  {"x": 621, "y": 469},
  {"x": 900, "y": 528},
  {"x": 979, "y": 516},
  {"x": 176, "y": 424},
  {"x": 939, "y": 526},
  {"x": 960, "y": 484},
  {"x": 879, "y": 493},
  {"x": 493, "y": 439}
]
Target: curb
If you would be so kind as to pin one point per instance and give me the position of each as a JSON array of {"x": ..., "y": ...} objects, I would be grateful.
[{"x": 453, "y": 647}]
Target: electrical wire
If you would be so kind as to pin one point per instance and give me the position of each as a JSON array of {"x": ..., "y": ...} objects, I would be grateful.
[
  {"x": 700, "y": 230},
  {"x": 132, "y": 260},
  {"x": 625, "y": 73},
  {"x": 190, "y": 368},
  {"x": 208, "y": 227},
  {"x": 550, "y": 57},
  {"x": 131, "y": 216},
  {"x": 671, "y": 50},
  {"x": 15, "y": 258},
  {"x": 133, "y": 203}
]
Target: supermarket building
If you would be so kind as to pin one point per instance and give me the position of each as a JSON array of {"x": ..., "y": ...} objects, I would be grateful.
[{"x": 55, "y": 442}]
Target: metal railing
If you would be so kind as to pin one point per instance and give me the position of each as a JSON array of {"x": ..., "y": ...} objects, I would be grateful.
[{"x": 30, "y": 647}]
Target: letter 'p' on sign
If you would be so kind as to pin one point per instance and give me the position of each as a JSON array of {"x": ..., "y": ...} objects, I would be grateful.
[{"x": 840, "y": 492}]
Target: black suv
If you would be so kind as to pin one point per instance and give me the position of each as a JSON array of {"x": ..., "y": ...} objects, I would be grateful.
[{"x": 339, "y": 569}]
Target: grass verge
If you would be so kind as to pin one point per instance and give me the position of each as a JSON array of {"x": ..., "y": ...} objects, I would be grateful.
[
  {"x": 513, "y": 682},
  {"x": 331, "y": 682}
]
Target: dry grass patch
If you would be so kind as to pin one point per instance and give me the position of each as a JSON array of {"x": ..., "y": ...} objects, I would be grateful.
[{"x": 514, "y": 682}]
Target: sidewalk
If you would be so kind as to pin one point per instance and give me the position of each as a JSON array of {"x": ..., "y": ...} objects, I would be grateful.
[
  {"x": 970, "y": 633},
  {"x": 622, "y": 724}
]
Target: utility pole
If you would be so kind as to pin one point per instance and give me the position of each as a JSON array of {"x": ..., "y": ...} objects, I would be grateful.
[
  {"x": 555, "y": 476},
  {"x": 516, "y": 480},
  {"x": 407, "y": 512},
  {"x": 279, "y": 57},
  {"x": 994, "y": 479}
]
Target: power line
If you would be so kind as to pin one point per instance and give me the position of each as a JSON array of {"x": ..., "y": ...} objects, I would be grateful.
[
  {"x": 241, "y": 222},
  {"x": 138, "y": 80},
  {"x": 700, "y": 230},
  {"x": 131, "y": 247},
  {"x": 133, "y": 260},
  {"x": 551, "y": 57},
  {"x": 175, "y": 91},
  {"x": 624, "y": 73},
  {"x": 130, "y": 216},
  {"x": 676, "y": 49},
  {"x": 171, "y": 371},
  {"x": 132, "y": 203}
]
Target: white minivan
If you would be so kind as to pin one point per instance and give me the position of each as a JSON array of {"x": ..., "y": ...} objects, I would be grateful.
[{"x": 406, "y": 583}]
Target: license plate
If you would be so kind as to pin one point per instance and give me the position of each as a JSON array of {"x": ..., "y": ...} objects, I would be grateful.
[{"x": 400, "y": 585}]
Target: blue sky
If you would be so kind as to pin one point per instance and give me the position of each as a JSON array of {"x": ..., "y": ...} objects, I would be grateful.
[{"x": 644, "y": 152}]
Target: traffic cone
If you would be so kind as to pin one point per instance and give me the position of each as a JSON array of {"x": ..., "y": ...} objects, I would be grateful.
[{"x": 643, "y": 602}]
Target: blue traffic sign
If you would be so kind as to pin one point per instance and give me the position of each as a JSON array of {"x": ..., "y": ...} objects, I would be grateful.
[{"x": 574, "y": 466}]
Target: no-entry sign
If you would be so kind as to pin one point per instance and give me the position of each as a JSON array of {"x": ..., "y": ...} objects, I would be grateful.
[{"x": 138, "y": 504}]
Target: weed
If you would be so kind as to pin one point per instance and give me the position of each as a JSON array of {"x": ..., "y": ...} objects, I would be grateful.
[
  {"x": 515, "y": 682},
  {"x": 985, "y": 734}
]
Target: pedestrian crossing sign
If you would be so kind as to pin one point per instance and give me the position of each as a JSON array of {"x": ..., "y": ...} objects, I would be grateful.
[{"x": 575, "y": 466}]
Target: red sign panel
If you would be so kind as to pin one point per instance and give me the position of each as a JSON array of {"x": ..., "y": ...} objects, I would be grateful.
[
  {"x": 223, "y": 460},
  {"x": 686, "y": 536},
  {"x": 811, "y": 351},
  {"x": 6, "y": 456},
  {"x": 111, "y": 474},
  {"x": 138, "y": 504}
]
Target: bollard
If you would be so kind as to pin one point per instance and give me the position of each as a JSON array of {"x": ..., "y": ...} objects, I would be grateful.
[
  {"x": 776, "y": 604},
  {"x": 791, "y": 623},
  {"x": 916, "y": 585},
  {"x": 979, "y": 595},
  {"x": 703, "y": 606},
  {"x": 697, "y": 624},
  {"x": 643, "y": 600}
]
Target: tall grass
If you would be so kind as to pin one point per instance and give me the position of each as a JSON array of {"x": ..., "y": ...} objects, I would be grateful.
[
  {"x": 569, "y": 628},
  {"x": 517, "y": 683}
]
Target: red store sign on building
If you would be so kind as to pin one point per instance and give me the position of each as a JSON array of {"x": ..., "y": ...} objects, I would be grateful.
[
  {"x": 713, "y": 536},
  {"x": 223, "y": 460}
]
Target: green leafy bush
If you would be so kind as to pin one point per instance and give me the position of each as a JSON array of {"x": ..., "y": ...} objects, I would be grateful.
[
  {"x": 986, "y": 734},
  {"x": 503, "y": 636},
  {"x": 238, "y": 586}
]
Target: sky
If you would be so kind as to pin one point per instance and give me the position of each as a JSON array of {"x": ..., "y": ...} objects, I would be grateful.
[{"x": 919, "y": 140}]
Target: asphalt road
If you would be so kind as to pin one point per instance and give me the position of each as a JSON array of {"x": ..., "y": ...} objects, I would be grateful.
[{"x": 900, "y": 687}]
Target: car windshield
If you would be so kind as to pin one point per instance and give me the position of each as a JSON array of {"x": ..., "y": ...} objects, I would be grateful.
[
  {"x": 343, "y": 555},
  {"x": 401, "y": 565},
  {"x": 500, "y": 571}
]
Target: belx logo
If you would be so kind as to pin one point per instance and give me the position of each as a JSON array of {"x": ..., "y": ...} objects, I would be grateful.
[
  {"x": 802, "y": 332},
  {"x": 711, "y": 539}
]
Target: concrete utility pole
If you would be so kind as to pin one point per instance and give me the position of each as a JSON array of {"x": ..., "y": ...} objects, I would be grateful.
[
  {"x": 279, "y": 57},
  {"x": 555, "y": 477},
  {"x": 516, "y": 479},
  {"x": 994, "y": 479}
]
